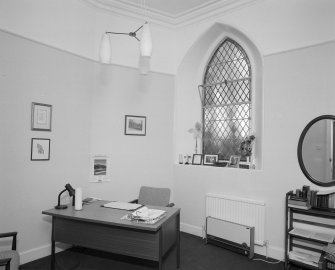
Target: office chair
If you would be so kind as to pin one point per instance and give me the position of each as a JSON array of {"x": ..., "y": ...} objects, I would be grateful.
[
  {"x": 9, "y": 259},
  {"x": 154, "y": 196}
]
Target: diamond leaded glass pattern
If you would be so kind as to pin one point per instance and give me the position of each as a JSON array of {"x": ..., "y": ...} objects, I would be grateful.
[{"x": 226, "y": 100}]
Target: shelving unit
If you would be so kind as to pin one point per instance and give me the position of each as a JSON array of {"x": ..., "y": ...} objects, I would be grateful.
[{"x": 314, "y": 229}]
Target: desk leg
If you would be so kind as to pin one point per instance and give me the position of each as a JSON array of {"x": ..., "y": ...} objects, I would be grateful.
[
  {"x": 178, "y": 240},
  {"x": 53, "y": 245},
  {"x": 160, "y": 252}
]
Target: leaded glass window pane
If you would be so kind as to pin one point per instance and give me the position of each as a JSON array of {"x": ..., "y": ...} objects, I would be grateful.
[{"x": 226, "y": 100}]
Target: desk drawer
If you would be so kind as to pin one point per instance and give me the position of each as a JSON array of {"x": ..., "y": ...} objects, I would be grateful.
[{"x": 125, "y": 241}]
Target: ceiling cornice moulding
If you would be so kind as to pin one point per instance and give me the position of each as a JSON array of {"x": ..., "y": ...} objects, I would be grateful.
[{"x": 199, "y": 13}]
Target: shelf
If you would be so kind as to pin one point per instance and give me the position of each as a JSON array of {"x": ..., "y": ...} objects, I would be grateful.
[
  {"x": 304, "y": 265},
  {"x": 312, "y": 235},
  {"x": 313, "y": 231},
  {"x": 315, "y": 211}
]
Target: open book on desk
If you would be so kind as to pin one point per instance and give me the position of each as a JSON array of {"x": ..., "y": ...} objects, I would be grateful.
[{"x": 122, "y": 205}]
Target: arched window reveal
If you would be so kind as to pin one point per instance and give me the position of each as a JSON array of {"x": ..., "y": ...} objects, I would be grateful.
[{"x": 226, "y": 100}]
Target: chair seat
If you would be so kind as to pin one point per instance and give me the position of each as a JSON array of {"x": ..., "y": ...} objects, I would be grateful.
[{"x": 14, "y": 255}]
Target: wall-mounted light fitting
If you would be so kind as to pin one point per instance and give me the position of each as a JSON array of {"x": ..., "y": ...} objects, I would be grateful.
[{"x": 145, "y": 43}]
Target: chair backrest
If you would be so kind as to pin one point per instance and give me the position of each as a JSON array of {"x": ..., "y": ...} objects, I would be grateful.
[{"x": 154, "y": 196}]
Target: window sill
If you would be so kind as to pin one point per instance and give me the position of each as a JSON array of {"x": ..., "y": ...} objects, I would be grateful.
[{"x": 214, "y": 167}]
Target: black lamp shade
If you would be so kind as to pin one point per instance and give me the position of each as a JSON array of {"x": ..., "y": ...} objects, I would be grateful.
[{"x": 72, "y": 193}]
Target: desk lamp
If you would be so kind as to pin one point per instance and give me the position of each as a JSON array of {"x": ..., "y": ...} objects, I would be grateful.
[{"x": 72, "y": 193}]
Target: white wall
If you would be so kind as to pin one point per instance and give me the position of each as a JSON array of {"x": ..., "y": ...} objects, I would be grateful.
[
  {"x": 273, "y": 26},
  {"x": 34, "y": 73},
  {"x": 89, "y": 102},
  {"x": 68, "y": 25},
  {"x": 135, "y": 160},
  {"x": 297, "y": 88},
  {"x": 296, "y": 41}
]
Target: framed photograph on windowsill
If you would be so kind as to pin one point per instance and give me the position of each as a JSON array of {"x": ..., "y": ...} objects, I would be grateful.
[
  {"x": 40, "y": 149},
  {"x": 197, "y": 159},
  {"x": 135, "y": 125},
  {"x": 41, "y": 116},
  {"x": 234, "y": 161},
  {"x": 210, "y": 159}
]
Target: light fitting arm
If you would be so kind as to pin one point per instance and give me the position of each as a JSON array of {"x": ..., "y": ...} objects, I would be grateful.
[
  {"x": 105, "y": 52},
  {"x": 131, "y": 34}
]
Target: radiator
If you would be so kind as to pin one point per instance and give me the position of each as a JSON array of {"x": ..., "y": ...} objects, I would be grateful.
[
  {"x": 242, "y": 211},
  {"x": 233, "y": 236}
]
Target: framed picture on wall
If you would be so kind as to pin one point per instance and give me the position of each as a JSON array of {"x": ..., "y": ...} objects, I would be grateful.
[
  {"x": 135, "y": 125},
  {"x": 40, "y": 149},
  {"x": 100, "y": 168},
  {"x": 210, "y": 159},
  {"x": 41, "y": 116}
]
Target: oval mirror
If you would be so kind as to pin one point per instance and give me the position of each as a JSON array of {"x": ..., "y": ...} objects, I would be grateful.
[{"x": 316, "y": 150}]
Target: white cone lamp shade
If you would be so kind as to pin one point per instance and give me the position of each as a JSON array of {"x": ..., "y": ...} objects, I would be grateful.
[
  {"x": 146, "y": 41},
  {"x": 106, "y": 49}
]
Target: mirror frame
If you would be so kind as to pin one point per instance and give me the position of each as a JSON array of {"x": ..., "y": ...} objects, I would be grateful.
[{"x": 301, "y": 140}]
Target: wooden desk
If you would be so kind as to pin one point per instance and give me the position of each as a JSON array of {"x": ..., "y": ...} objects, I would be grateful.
[{"x": 102, "y": 229}]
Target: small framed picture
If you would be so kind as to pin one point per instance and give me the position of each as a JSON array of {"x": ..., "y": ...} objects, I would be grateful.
[
  {"x": 197, "y": 159},
  {"x": 234, "y": 161},
  {"x": 135, "y": 125},
  {"x": 41, "y": 116},
  {"x": 210, "y": 159},
  {"x": 100, "y": 168},
  {"x": 40, "y": 149}
]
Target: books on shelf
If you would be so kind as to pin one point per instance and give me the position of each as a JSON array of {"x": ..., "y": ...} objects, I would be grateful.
[
  {"x": 325, "y": 237},
  {"x": 312, "y": 199}
]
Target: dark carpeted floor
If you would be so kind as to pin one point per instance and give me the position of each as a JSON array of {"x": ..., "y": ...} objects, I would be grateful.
[{"x": 195, "y": 255}]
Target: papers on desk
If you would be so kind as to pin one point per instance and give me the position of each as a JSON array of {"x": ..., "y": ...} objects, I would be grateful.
[
  {"x": 122, "y": 205},
  {"x": 145, "y": 215}
]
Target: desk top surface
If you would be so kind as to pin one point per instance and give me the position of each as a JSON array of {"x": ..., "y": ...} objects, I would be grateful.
[{"x": 95, "y": 213}]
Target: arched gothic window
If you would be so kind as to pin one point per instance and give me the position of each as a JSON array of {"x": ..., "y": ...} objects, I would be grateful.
[{"x": 226, "y": 100}]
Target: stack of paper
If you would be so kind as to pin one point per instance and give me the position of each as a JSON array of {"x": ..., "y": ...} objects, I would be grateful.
[
  {"x": 305, "y": 257},
  {"x": 314, "y": 235},
  {"x": 301, "y": 232},
  {"x": 146, "y": 215}
]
